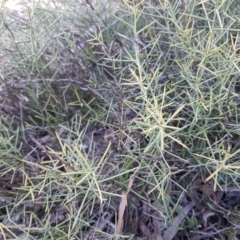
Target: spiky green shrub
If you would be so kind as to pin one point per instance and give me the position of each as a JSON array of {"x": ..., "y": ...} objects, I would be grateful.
[{"x": 96, "y": 96}]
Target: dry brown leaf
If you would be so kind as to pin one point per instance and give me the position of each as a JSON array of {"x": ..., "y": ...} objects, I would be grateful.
[
  {"x": 171, "y": 231},
  {"x": 206, "y": 215},
  {"x": 144, "y": 229},
  {"x": 122, "y": 207}
]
